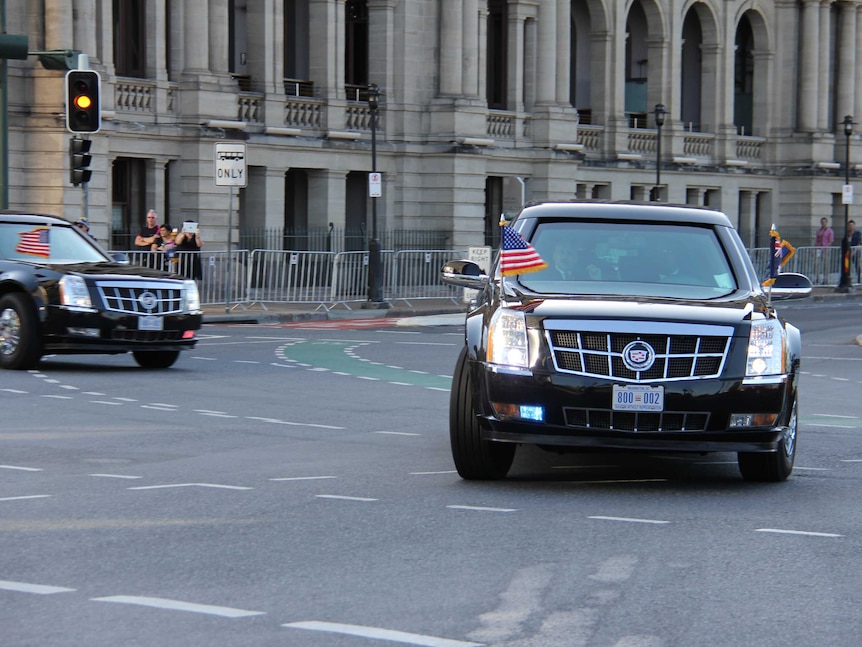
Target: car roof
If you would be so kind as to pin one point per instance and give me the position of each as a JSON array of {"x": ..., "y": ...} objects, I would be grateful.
[
  {"x": 619, "y": 210},
  {"x": 8, "y": 215}
]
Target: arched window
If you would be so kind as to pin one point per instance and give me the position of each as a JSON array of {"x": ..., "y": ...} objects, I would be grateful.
[{"x": 743, "y": 78}]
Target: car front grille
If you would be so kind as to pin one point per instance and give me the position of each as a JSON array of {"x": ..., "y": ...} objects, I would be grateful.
[
  {"x": 141, "y": 297},
  {"x": 682, "y": 352},
  {"x": 635, "y": 421}
]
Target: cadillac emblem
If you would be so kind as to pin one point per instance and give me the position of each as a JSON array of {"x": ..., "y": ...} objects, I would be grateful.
[
  {"x": 148, "y": 300},
  {"x": 638, "y": 356}
]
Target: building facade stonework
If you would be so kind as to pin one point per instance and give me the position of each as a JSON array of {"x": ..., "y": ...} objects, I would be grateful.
[{"x": 484, "y": 104}]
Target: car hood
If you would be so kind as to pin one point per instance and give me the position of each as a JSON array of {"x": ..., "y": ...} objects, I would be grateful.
[
  {"x": 725, "y": 312},
  {"x": 111, "y": 271}
]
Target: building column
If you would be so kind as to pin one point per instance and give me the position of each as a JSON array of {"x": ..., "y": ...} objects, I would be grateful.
[
  {"x": 326, "y": 54},
  {"x": 381, "y": 46},
  {"x": 546, "y": 71},
  {"x": 747, "y": 209},
  {"x": 825, "y": 71},
  {"x": 470, "y": 59},
  {"x": 846, "y": 81},
  {"x": 809, "y": 55},
  {"x": 196, "y": 49},
  {"x": 218, "y": 28},
  {"x": 531, "y": 36},
  {"x": 157, "y": 54},
  {"x": 564, "y": 54},
  {"x": 327, "y": 194},
  {"x": 451, "y": 40},
  {"x": 85, "y": 28}
]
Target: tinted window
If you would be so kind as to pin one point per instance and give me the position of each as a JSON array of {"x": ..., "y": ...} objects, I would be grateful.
[{"x": 679, "y": 261}]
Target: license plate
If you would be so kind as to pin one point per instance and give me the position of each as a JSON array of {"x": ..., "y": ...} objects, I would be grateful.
[
  {"x": 638, "y": 397},
  {"x": 150, "y": 322}
]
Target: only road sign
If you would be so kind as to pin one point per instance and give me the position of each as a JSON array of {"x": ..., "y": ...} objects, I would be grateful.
[{"x": 230, "y": 166}]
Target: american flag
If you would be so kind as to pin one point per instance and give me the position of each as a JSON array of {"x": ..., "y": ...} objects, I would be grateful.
[
  {"x": 518, "y": 256},
  {"x": 34, "y": 243}
]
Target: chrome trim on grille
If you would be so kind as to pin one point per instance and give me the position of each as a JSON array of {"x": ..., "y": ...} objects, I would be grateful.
[
  {"x": 125, "y": 297},
  {"x": 595, "y": 348}
]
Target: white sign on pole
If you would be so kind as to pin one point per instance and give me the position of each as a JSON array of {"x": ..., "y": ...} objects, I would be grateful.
[
  {"x": 482, "y": 257},
  {"x": 847, "y": 194},
  {"x": 375, "y": 185},
  {"x": 230, "y": 166}
]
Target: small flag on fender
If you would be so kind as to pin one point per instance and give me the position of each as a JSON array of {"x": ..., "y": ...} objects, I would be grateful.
[
  {"x": 782, "y": 252},
  {"x": 517, "y": 255}
]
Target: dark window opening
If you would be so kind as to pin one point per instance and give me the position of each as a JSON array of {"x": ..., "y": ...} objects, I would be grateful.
[
  {"x": 130, "y": 51},
  {"x": 355, "y": 47},
  {"x": 496, "y": 88}
]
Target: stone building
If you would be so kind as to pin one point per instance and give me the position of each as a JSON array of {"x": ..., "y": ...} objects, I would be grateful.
[{"x": 484, "y": 104}]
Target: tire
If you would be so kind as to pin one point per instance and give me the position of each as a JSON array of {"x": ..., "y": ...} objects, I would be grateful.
[
  {"x": 156, "y": 358},
  {"x": 475, "y": 458},
  {"x": 20, "y": 340},
  {"x": 776, "y": 466}
]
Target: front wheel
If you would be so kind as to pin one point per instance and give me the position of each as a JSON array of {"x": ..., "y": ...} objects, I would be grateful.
[
  {"x": 475, "y": 458},
  {"x": 156, "y": 358},
  {"x": 776, "y": 466},
  {"x": 20, "y": 343}
]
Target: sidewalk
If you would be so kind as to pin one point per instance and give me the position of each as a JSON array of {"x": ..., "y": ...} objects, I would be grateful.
[{"x": 270, "y": 313}]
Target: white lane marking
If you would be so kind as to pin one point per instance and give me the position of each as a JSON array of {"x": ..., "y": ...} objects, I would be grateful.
[
  {"x": 70, "y": 387},
  {"x": 798, "y": 532},
  {"x": 344, "y": 498},
  {"x": 206, "y": 359},
  {"x": 820, "y": 424},
  {"x": 93, "y": 393},
  {"x": 212, "y": 485},
  {"x": 53, "y": 381},
  {"x": 209, "y": 411},
  {"x": 481, "y": 508},
  {"x": 432, "y": 473},
  {"x": 371, "y": 379},
  {"x": 841, "y": 379},
  {"x": 850, "y": 460},
  {"x": 218, "y": 415},
  {"x": 302, "y": 478},
  {"x": 23, "y": 498},
  {"x": 435, "y": 388},
  {"x": 14, "y": 391},
  {"x": 245, "y": 361},
  {"x": 833, "y": 415},
  {"x": 396, "y": 433},
  {"x": 58, "y": 397},
  {"x": 813, "y": 469},
  {"x": 38, "y": 589},
  {"x": 380, "y": 634},
  {"x": 115, "y": 476},
  {"x": 628, "y": 519},
  {"x": 124, "y": 399},
  {"x": 115, "y": 404},
  {"x": 179, "y": 605},
  {"x": 295, "y": 424},
  {"x": 156, "y": 407},
  {"x": 23, "y": 469}
]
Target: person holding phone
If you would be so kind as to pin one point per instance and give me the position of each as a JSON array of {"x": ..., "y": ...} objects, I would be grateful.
[{"x": 189, "y": 240}]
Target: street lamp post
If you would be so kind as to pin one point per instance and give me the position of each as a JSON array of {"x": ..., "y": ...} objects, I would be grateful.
[
  {"x": 660, "y": 112},
  {"x": 375, "y": 279},
  {"x": 845, "y": 284}
]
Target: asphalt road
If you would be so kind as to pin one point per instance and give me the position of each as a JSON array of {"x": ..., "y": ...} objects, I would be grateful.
[{"x": 292, "y": 485}]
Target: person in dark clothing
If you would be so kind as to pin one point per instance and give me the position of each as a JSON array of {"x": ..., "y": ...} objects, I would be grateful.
[{"x": 190, "y": 241}]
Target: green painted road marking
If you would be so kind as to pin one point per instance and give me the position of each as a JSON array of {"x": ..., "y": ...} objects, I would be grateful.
[{"x": 337, "y": 356}]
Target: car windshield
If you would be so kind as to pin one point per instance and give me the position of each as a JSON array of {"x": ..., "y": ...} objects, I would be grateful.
[
  {"x": 49, "y": 243},
  {"x": 636, "y": 258}
]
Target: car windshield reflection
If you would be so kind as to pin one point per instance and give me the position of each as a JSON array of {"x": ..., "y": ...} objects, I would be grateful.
[
  {"x": 640, "y": 259},
  {"x": 53, "y": 244}
]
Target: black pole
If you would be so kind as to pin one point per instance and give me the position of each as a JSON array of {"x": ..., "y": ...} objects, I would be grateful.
[
  {"x": 375, "y": 279},
  {"x": 4, "y": 119},
  {"x": 845, "y": 284},
  {"x": 659, "y": 114}
]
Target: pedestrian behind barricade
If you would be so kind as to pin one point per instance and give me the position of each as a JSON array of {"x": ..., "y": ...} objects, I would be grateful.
[
  {"x": 189, "y": 240},
  {"x": 823, "y": 239},
  {"x": 166, "y": 243}
]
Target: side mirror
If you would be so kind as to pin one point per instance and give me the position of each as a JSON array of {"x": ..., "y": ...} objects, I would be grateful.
[
  {"x": 464, "y": 274},
  {"x": 791, "y": 286},
  {"x": 120, "y": 257}
]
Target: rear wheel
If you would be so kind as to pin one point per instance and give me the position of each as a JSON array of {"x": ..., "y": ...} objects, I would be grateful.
[
  {"x": 20, "y": 343},
  {"x": 776, "y": 466},
  {"x": 156, "y": 358},
  {"x": 475, "y": 458}
]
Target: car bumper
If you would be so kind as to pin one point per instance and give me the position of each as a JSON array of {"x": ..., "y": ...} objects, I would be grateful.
[
  {"x": 67, "y": 331},
  {"x": 577, "y": 412}
]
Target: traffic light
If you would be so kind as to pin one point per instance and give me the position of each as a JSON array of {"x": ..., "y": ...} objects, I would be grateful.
[
  {"x": 83, "y": 105},
  {"x": 79, "y": 160}
]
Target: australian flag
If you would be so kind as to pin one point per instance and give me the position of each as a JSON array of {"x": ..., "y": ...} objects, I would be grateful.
[{"x": 782, "y": 251}]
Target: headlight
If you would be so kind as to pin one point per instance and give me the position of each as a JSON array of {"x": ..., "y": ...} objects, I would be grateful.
[
  {"x": 74, "y": 293},
  {"x": 507, "y": 339},
  {"x": 765, "y": 349},
  {"x": 192, "y": 296}
]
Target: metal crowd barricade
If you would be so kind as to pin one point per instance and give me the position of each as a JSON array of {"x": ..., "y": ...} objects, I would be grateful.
[
  {"x": 277, "y": 276},
  {"x": 417, "y": 275},
  {"x": 820, "y": 264},
  {"x": 350, "y": 277}
]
